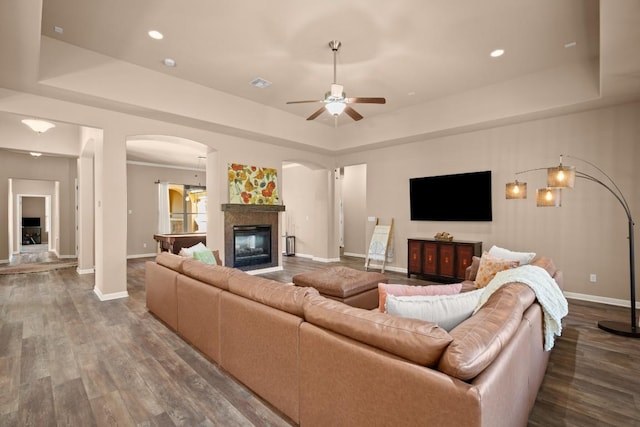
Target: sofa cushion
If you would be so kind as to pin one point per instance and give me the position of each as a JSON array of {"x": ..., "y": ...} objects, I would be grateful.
[
  {"x": 415, "y": 340},
  {"x": 271, "y": 293},
  {"x": 445, "y": 310},
  {"x": 215, "y": 275},
  {"x": 188, "y": 252},
  {"x": 489, "y": 266},
  {"x": 522, "y": 257},
  {"x": 385, "y": 289},
  {"x": 478, "y": 340},
  {"x": 208, "y": 256},
  {"x": 169, "y": 260},
  {"x": 472, "y": 271}
]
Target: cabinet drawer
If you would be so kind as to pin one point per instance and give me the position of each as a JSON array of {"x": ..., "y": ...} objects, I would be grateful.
[
  {"x": 430, "y": 258},
  {"x": 446, "y": 260},
  {"x": 415, "y": 256},
  {"x": 464, "y": 255}
]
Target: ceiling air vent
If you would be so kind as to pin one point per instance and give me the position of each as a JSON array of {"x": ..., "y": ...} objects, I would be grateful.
[{"x": 260, "y": 83}]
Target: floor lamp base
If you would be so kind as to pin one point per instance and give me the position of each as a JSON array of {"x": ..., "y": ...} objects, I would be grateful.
[{"x": 619, "y": 328}]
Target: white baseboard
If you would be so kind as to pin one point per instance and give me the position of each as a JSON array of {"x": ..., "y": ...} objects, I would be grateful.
[
  {"x": 109, "y": 297},
  {"x": 602, "y": 300},
  {"x": 326, "y": 259},
  {"x": 264, "y": 270},
  {"x": 4, "y": 261},
  {"x": 314, "y": 258},
  {"x": 67, "y": 256},
  {"x": 85, "y": 270},
  {"x": 149, "y": 255}
]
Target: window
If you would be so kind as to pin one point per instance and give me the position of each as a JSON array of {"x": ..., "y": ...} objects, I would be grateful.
[{"x": 187, "y": 208}]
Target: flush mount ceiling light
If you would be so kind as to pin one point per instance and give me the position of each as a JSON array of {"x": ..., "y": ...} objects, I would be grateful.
[
  {"x": 38, "y": 126},
  {"x": 169, "y": 62},
  {"x": 497, "y": 53},
  {"x": 156, "y": 35},
  {"x": 35, "y": 154}
]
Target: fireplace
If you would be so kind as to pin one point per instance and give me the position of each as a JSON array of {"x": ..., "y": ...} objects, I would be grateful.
[
  {"x": 251, "y": 245},
  {"x": 237, "y": 216}
]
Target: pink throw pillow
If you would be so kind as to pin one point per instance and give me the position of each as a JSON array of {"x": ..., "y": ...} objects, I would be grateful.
[{"x": 385, "y": 289}]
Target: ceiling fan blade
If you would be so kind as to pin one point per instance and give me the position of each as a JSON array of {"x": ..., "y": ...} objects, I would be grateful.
[
  {"x": 302, "y": 102},
  {"x": 316, "y": 114},
  {"x": 366, "y": 101},
  {"x": 352, "y": 113}
]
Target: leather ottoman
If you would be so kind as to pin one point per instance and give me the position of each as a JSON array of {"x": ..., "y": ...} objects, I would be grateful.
[{"x": 353, "y": 287}]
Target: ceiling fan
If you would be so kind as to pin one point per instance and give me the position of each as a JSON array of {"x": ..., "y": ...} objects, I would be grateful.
[{"x": 335, "y": 101}]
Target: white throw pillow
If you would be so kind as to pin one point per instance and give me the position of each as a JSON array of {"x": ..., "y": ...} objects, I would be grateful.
[
  {"x": 188, "y": 252},
  {"x": 445, "y": 310},
  {"x": 523, "y": 257}
]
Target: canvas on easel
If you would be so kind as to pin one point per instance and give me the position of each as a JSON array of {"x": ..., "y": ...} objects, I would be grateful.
[{"x": 381, "y": 246}]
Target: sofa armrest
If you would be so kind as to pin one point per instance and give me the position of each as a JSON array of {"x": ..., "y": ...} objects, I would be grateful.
[{"x": 471, "y": 271}]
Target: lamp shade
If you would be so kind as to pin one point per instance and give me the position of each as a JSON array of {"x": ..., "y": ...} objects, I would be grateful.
[
  {"x": 516, "y": 190},
  {"x": 561, "y": 176},
  {"x": 335, "y": 108},
  {"x": 548, "y": 197},
  {"x": 39, "y": 126}
]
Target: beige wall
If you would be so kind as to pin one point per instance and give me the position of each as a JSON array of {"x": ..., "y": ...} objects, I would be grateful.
[
  {"x": 354, "y": 203},
  {"x": 308, "y": 209},
  {"x": 25, "y": 167},
  {"x": 587, "y": 235}
]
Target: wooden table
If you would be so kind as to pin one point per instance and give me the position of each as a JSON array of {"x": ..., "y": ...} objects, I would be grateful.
[{"x": 174, "y": 242}]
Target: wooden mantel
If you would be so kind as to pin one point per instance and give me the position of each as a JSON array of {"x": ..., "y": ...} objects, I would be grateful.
[{"x": 237, "y": 207}]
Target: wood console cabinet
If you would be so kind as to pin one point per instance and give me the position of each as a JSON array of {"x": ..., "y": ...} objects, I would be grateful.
[{"x": 440, "y": 260}]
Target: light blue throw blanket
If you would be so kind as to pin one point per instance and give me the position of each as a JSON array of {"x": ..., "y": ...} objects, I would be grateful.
[{"x": 554, "y": 304}]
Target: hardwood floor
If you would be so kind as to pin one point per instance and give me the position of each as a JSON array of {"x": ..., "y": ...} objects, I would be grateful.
[{"x": 68, "y": 359}]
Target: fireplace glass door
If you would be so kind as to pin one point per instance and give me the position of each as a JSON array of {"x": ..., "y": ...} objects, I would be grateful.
[{"x": 252, "y": 245}]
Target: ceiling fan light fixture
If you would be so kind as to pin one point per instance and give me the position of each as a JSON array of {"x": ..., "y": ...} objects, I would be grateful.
[{"x": 335, "y": 108}]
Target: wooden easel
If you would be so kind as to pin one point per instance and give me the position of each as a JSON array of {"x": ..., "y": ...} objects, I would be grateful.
[{"x": 380, "y": 244}]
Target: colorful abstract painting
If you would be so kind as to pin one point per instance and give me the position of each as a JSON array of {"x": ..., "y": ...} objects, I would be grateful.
[{"x": 252, "y": 185}]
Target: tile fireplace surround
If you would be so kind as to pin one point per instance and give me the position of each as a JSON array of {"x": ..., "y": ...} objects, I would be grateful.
[{"x": 237, "y": 214}]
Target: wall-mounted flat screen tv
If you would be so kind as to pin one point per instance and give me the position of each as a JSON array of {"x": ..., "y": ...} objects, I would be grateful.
[
  {"x": 30, "y": 222},
  {"x": 457, "y": 197}
]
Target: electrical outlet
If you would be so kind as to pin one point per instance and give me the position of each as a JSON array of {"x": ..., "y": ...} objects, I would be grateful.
[
  {"x": 144, "y": 245},
  {"x": 593, "y": 278}
]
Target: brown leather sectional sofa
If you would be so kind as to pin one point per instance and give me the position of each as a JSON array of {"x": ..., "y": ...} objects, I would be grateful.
[{"x": 324, "y": 363}]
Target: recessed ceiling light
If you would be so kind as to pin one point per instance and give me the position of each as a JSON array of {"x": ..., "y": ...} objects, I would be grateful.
[
  {"x": 570, "y": 44},
  {"x": 58, "y": 30},
  {"x": 157, "y": 35},
  {"x": 496, "y": 53},
  {"x": 169, "y": 62},
  {"x": 35, "y": 154},
  {"x": 260, "y": 83}
]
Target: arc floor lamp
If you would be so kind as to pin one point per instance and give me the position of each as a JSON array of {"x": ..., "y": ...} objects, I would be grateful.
[{"x": 561, "y": 177}]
